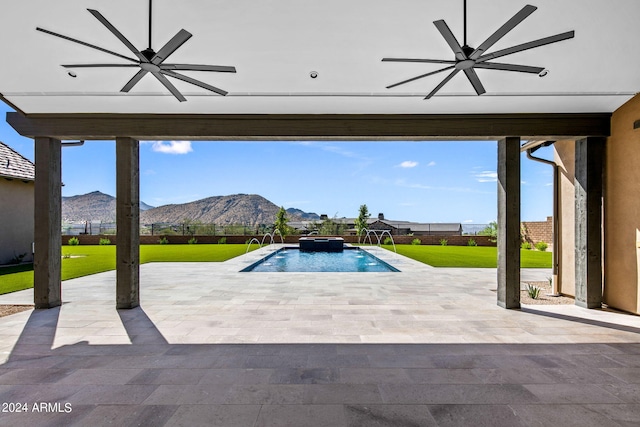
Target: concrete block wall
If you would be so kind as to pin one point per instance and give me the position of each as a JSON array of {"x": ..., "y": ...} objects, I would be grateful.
[
  {"x": 86, "y": 239},
  {"x": 538, "y": 231}
]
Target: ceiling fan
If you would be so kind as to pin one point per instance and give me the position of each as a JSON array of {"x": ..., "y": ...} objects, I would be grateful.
[
  {"x": 150, "y": 61},
  {"x": 467, "y": 58}
]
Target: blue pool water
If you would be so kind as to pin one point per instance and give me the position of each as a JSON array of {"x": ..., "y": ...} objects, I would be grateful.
[{"x": 293, "y": 260}]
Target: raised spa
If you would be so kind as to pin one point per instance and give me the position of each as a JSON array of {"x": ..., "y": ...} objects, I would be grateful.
[{"x": 294, "y": 260}]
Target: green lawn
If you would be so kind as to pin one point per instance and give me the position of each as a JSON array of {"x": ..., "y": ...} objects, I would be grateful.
[
  {"x": 469, "y": 256},
  {"x": 87, "y": 260}
]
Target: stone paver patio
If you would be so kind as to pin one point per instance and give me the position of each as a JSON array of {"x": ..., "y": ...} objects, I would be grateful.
[{"x": 211, "y": 346}]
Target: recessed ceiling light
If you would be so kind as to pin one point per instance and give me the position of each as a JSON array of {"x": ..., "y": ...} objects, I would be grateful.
[
  {"x": 72, "y": 74},
  {"x": 313, "y": 74},
  {"x": 543, "y": 73}
]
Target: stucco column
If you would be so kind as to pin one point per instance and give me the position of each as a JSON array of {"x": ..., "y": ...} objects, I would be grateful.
[
  {"x": 509, "y": 222},
  {"x": 127, "y": 223},
  {"x": 588, "y": 207},
  {"x": 47, "y": 224}
]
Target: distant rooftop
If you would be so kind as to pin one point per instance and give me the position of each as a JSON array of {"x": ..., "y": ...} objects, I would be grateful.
[{"x": 13, "y": 165}]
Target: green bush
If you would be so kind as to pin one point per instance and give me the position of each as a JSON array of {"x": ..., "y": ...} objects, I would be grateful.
[
  {"x": 533, "y": 291},
  {"x": 192, "y": 241},
  {"x": 416, "y": 242},
  {"x": 163, "y": 240},
  {"x": 542, "y": 246},
  {"x": 444, "y": 242},
  {"x": 387, "y": 241},
  {"x": 104, "y": 241},
  {"x": 472, "y": 242},
  {"x": 222, "y": 241},
  {"x": 73, "y": 241},
  {"x": 525, "y": 245}
]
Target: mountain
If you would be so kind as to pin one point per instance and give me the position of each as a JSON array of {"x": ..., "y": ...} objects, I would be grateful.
[
  {"x": 95, "y": 206},
  {"x": 306, "y": 216},
  {"x": 249, "y": 209}
]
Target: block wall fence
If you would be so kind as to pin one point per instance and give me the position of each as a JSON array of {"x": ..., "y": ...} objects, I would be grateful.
[{"x": 86, "y": 239}]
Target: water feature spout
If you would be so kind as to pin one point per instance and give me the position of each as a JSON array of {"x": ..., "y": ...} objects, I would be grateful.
[{"x": 249, "y": 244}]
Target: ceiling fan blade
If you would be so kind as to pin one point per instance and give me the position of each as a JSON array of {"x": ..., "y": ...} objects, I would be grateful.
[
  {"x": 172, "y": 45},
  {"x": 428, "y": 61},
  {"x": 134, "y": 80},
  {"x": 442, "y": 83},
  {"x": 527, "y": 46},
  {"x": 174, "y": 91},
  {"x": 420, "y": 77},
  {"x": 86, "y": 44},
  {"x": 118, "y": 34},
  {"x": 99, "y": 65},
  {"x": 509, "y": 67},
  {"x": 196, "y": 67},
  {"x": 502, "y": 31},
  {"x": 194, "y": 82},
  {"x": 451, "y": 39},
  {"x": 475, "y": 81}
]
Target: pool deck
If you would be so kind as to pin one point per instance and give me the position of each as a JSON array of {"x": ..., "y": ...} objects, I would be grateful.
[{"x": 212, "y": 346}]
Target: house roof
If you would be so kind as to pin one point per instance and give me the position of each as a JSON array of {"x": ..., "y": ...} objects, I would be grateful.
[{"x": 14, "y": 165}]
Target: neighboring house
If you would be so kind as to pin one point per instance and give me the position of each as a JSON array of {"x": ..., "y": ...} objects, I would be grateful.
[
  {"x": 396, "y": 228},
  {"x": 17, "y": 182}
]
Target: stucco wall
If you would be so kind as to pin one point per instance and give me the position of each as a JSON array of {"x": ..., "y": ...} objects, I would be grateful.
[
  {"x": 16, "y": 219},
  {"x": 622, "y": 210},
  {"x": 565, "y": 159}
]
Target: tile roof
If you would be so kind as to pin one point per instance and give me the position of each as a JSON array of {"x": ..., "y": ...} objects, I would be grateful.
[{"x": 14, "y": 165}]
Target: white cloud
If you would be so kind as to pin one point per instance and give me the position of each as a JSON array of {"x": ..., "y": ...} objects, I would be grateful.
[
  {"x": 172, "y": 147},
  {"x": 467, "y": 221},
  {"x": 432, "y": 163},
  {"x": 408, "y": 164},
  {"x": 486, "y": 176}
]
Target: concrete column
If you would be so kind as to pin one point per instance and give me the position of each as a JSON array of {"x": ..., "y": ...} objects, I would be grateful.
[
  {"x": 588, "y": 199},
  {"x": 127, "y": 223},
  {"x": 47, "y": 224},
  {"x": 509, "y": 222}
]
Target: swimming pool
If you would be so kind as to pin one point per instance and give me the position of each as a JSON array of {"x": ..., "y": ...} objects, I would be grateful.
[{"x": 294, "y": 260}]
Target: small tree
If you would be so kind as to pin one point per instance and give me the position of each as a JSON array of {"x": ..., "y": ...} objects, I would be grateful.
[
  {"x": 491, "y": 230},
  {"x": 361, "y": 221},
  {"x": 281, "y": 222}
]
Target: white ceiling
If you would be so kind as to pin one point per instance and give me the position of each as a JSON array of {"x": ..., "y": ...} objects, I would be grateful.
[{"x": 275, "y": 44}]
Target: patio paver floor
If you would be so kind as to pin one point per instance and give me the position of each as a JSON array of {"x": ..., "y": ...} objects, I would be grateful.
[{"x": 211, "y": 346}]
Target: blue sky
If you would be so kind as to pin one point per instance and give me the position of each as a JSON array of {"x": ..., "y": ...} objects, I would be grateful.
[{"x": 414, "y": 181}]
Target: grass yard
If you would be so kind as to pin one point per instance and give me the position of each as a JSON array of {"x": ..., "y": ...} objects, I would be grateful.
[
  {"x": 469, "y": 256},
  {"x": 86, "y": 260}
]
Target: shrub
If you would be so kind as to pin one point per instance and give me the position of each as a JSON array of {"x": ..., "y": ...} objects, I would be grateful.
[
  {"x": 472, "y": 242},
  {"x": 444, "y": 242},
  {"x": 416, "y": 242},
  {"x": 533, "y": 291},
  {"x": 542, "y": 246},
  {"x": 222, "y": 241},
  {"x": 105, "y": 241},
  {"x": 17, "y": 259},
  {"x": 163, "y": 240},
  {"x": 73, "y": 241},
  {"x": 192, "y": 241},
  {"x": 525, "y": 245},
  {"x": 387, "y": 241}
]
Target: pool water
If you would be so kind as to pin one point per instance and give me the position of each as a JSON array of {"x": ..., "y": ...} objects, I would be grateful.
[{"x": 294, "y": 260}]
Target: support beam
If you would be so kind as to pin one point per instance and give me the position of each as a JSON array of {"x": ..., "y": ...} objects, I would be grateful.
[
  {"x": 47, "y": 224},
  {"x": 391, "y": 127},
  {"x": 509, "y": 222},
  {"x": 588, "y": 206},
  {"x": 127, "y": 223}
]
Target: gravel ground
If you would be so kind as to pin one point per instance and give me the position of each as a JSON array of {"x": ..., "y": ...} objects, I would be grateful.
[
  {"x": 6, "y": 310},
  {"x": 543, "y": 299}
]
